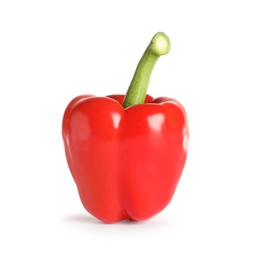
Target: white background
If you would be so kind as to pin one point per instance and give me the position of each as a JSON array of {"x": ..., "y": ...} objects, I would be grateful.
[{"x": 52, "y": 51}]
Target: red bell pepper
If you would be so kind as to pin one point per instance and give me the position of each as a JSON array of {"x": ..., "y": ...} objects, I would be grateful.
[{"x": 126, "y": 153}]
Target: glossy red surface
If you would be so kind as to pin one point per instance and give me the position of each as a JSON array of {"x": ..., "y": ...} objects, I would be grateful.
[{"x": 126, "y": 163}]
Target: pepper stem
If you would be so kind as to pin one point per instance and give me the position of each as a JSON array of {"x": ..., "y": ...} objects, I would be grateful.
[{"x": 159, "y": 45}]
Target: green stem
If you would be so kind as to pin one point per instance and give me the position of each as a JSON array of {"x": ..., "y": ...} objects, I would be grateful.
[{"x": 159, "y": 45}]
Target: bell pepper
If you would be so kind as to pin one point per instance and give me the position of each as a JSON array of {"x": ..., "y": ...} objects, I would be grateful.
[{"x": 126, "y": 153}]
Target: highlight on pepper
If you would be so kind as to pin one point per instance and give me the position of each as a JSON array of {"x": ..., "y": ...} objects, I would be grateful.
[{"x": 126, "y": 153}]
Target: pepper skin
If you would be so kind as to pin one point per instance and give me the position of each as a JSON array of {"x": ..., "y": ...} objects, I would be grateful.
[
  {"x": 126, "y": 153},
  {"x": 126, "y": 163}
]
